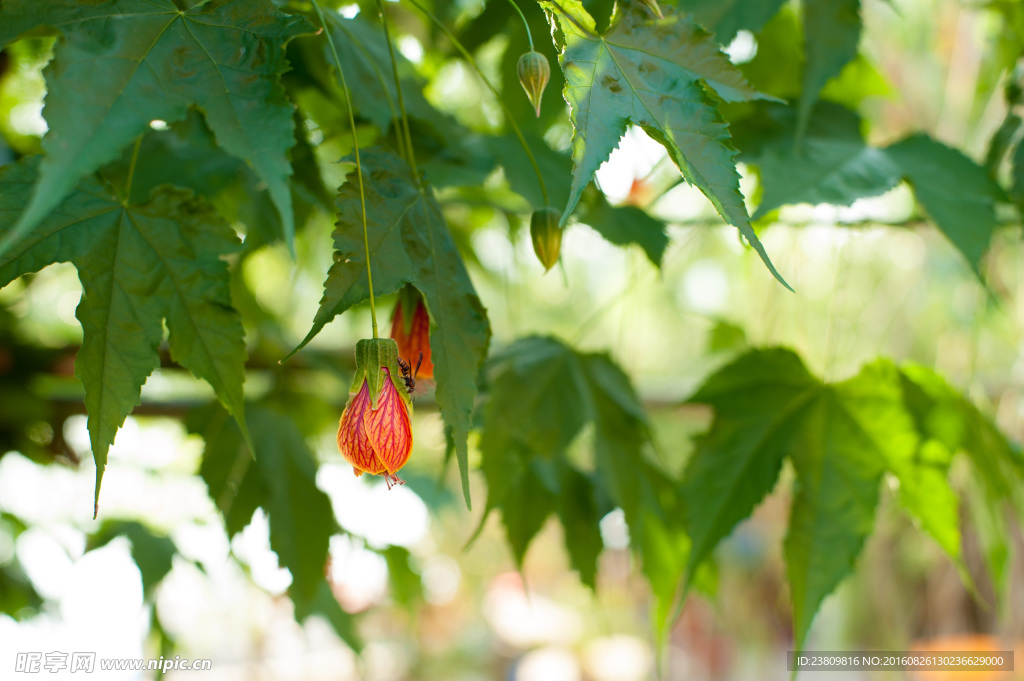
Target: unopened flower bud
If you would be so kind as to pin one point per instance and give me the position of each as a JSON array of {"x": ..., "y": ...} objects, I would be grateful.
[
  {"x": 534, "y": 74},
  {"x": 547, "y": 236}
]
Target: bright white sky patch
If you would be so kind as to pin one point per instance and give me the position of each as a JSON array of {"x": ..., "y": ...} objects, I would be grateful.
[
  {"x": 743, "y": 48},
  {"x": 382, "y": 516},
  {"x": 411, "y": 48},
  {"x": 705, "y": 287}
]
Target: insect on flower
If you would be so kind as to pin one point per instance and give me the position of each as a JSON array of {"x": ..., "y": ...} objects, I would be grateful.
[
  {"x": 408, "y": 374},
  {"x": 375, "y": 429}
]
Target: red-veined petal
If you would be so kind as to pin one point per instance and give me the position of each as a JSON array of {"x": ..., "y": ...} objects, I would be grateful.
[
  {"x": 353, "y": 442},
  {"x": 389, "y": 428}
]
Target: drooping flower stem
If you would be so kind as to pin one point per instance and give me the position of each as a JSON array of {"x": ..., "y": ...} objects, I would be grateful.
[
  {"x": 359, "y": 165},
  {"x": 529, "y": 36},
  {"x": 407, "y": 151},
  {"x": 508, "y": 114}
]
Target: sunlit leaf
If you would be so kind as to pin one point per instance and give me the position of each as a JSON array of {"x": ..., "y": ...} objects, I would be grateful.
[
  {"x": 759, "y": 401},
  {"x": 839, "y": 456},
  {"x": 840, "y": 439},
  {"x": 949, "y": 419}
]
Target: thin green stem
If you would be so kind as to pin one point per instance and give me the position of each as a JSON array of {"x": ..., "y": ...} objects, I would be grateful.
[
  {"x": 508, "y": 114},
  {"x": 359, "y": 165},
  {"x": 407, "y": 152},
  {"x": 529, "y": 36},
  {"x": 354, "y": 39},
  {"x": 131, "y": 171}
]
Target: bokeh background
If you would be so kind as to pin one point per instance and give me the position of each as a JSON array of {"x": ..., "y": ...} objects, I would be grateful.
[{"x": 157, "y": 575}]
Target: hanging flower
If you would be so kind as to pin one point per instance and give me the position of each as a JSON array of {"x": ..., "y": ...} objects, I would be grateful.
[
  {"x": 375, "y": 431},
  {"x": 410, "y": 327}
]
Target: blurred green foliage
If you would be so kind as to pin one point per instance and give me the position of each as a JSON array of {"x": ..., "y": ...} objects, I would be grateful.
[{"x": 588, "y": 407}]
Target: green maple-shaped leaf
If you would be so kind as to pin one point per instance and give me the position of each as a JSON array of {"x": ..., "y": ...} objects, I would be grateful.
[
  {"x": 833, "y": 164},
  {"x": 139, "y": 265},
  {"x": 661, "y": 75},
  {"x": 831, "y": 35},
  {"x": 758, "y": 400},
  {"x": 410, "y": 243},
  {"x": 533, "y": 414},
  {"x": 839, "y": 464},
  {"x": 541, "y": 397},
  {"x": 956, "y": 192},
  {"x": 124, "y": 63},
  {"x": 840, "y": 439}
]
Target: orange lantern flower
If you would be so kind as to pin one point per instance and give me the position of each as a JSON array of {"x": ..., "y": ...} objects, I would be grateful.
[
  {"x": 375, "y": 431},
  {"x": 410, "y": 327}
]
